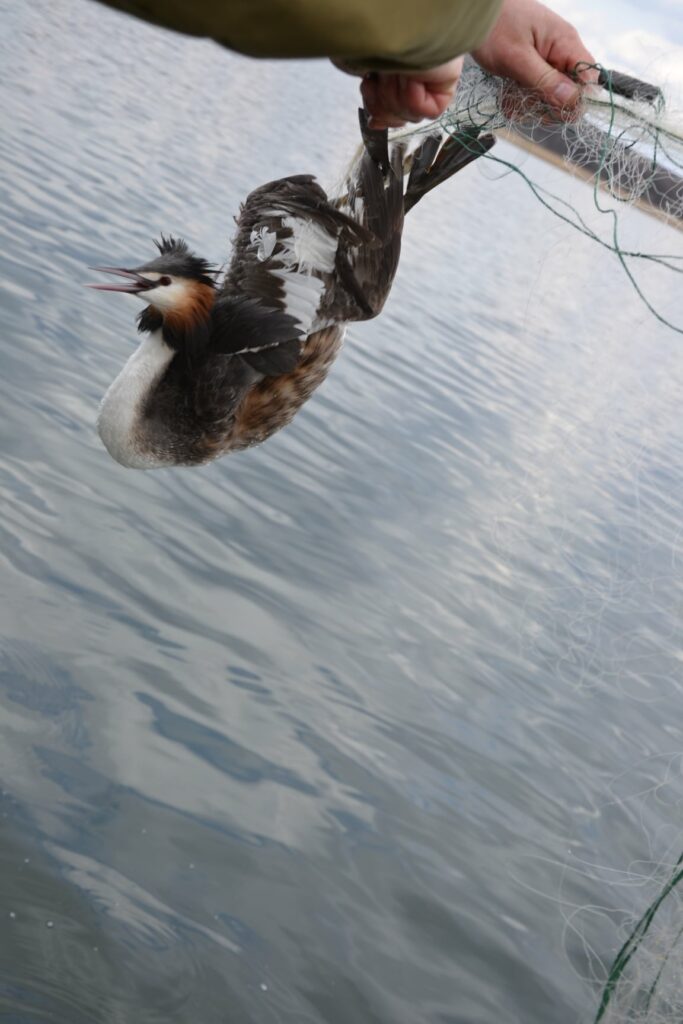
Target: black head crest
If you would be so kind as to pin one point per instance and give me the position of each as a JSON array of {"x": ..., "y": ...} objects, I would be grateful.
[
  {"x": 175, "y": 257},
  {"x": 171, "y": 245}
]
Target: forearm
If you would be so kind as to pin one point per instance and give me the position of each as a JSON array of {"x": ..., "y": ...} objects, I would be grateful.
[{"x": 367, "y": 34}]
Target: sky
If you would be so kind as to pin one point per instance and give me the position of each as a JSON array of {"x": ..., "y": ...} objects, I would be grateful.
[{"x": 645, "y": 40}]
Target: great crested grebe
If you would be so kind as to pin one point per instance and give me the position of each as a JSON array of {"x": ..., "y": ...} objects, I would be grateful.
[{"x": 224, "y": 365}]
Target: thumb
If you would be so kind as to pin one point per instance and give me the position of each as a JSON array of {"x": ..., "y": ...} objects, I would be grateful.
[{"x": 551, "y": 85}]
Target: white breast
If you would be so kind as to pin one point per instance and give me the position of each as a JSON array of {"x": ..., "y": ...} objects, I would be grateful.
[{"x": 119, "y": 420}]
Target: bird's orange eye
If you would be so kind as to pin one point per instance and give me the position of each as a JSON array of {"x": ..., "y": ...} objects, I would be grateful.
[{"x": 164, "y": 280}]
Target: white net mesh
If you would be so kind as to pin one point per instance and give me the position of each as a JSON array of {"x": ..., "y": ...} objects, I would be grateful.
[
  {"x": 628, "y": 144},
  {"x": 624, "y": 139}
]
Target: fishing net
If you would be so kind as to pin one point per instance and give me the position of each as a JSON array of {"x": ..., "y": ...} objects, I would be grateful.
[
  {"x": 645, "y": 981},
  {"x": 643, "y": 984},
  {"x": 624, "y": 139},
  {"x": 627, "y": 142}
]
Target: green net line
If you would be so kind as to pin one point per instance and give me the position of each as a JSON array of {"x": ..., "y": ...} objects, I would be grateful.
[{"x": 632, "y": 944}]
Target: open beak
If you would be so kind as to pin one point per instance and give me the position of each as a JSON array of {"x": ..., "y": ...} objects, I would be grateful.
[{"x": 136, "y": 284}]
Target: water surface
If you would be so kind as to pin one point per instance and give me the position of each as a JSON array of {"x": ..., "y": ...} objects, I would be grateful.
[{"x": 377, "y": 723}]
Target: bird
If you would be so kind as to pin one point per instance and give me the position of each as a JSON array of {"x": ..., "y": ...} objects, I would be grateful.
[{"x": 226, "y": 361}]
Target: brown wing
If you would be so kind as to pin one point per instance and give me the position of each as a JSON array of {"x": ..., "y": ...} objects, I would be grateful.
[{"x": 286, "y": 246}]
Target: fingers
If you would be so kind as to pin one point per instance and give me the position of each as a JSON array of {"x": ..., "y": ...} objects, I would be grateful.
[
  {"x": 554, "y": 78},
  {"x": 384, "y": 102},
  {"x": 393, "y": 99},
  {"x": 539, "y": 50},
  {"x": 556, "y": 89},
  {"x": 568, "y": 54}
]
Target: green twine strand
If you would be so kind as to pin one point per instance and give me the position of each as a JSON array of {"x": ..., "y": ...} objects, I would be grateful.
[{"x": 632, "y": 943}]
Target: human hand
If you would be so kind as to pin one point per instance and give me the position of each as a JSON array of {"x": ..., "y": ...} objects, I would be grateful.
[
  {"x": 536, "y": 48},
  {"x": 392, "y": 99},
  {"x": 529, "y": 44}
]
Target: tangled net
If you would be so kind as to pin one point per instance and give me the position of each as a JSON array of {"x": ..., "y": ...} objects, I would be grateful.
[
  {"x": 644, "y": 981},
  {"x": 629, "y": 145},
  {"x": 624, "y": 139}
]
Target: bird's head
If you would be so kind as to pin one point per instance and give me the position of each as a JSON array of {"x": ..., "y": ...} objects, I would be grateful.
[{"x": 178, "y": 285}]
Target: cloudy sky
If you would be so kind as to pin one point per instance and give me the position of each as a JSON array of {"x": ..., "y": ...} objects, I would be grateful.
[{"x": 629, "y": 35}]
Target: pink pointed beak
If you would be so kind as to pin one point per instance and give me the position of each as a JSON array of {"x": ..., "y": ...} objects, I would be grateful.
[{"x": 137, "y": 283}]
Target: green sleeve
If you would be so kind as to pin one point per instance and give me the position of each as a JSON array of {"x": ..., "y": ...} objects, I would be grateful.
[{"x": 372, "y": 34}]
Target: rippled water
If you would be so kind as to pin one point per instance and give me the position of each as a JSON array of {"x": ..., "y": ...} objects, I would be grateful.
[{"x": 378, "y": 723}]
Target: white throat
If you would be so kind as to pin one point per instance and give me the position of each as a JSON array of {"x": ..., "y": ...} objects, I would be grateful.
[{"x": 119, "y": 421}]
